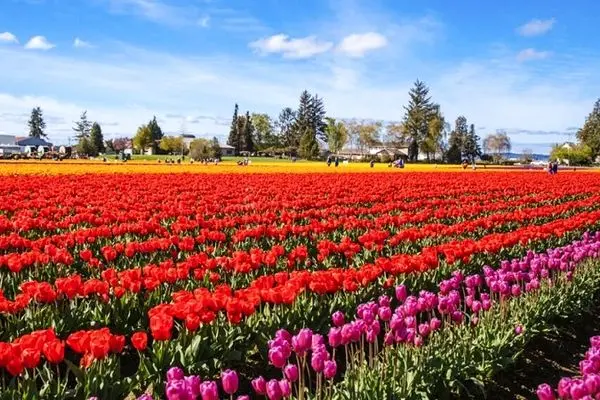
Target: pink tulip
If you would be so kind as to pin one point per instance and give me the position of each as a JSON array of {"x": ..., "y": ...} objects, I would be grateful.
[
  {"x": 283, "y": 334},
  {"x": 285, "y": 387},
  {"x": 384, "y": 301},
  {"x": 338, "y": 319},
  {"x": 176, "y": 390},
  {"x": 435, "y": 324},
  {"x": 334, "y": 337},
  {"x": 259, "y": 385},
  {"x": 544, "y": 392},
  {"x": 302, "y": 341},
  {"x": 209, "y": 390},
  {"x": 277, "y": 357},
  {"x": 401, "y": 293},
  {"x": 193, "y": 383},
  {"x": 317, "y": 362},
  {"x": 291, "y": 372},
  {"x": 230, "y": 381},
  {"x": 274, "y": 390},
  {"x": 385, "y": 313},
  {"x": 518, "y": 329},
  {"x": 175, "y": 374},
  {"x": 329, "y": 369},
  {"x": 424, "y": 330}
]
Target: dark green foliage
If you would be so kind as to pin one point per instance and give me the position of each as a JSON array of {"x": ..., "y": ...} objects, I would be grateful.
[
  {"x": 36, "y": 124},
  {"x": 97, "y": 140}
]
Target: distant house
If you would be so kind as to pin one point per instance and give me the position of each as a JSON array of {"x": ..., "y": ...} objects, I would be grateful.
[
  {"x": 381, "y": 152},
  {"x": 8, "y": 140},
  {"x": 391, "y": 153},
  {"x": 227, "y": 150},
  {"x": 188, "y": 139},
  {"x": 568, "y": 145},
  {"x": 8, "y": 145}
]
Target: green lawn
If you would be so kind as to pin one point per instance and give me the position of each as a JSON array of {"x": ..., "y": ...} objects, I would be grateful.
[{"x": 143, "y": 157}]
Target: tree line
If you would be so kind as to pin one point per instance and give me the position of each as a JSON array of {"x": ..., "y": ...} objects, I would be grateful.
[{"x": 307, "y": 131}]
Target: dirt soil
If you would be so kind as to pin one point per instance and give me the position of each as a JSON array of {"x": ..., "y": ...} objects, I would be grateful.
[{"x": 546, "y": 360}]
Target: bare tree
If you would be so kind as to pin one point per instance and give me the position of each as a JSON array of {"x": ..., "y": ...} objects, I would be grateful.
[{"x": 496, "y": 144}]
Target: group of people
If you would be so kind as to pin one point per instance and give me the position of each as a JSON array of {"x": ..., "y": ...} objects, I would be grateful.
[
  {"x": 245, "y": 162},
  {"x": 330, "y": 160},
  {"x": 553, "y": 167}
]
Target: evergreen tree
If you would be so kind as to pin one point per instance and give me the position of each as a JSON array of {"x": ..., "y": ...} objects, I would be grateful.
[
  {"x": 304, "y": 119},
  {"x": 589, "y": 134},
  {"x": 37, "y": 124},
  {"x": 456, "y": 143},
  {"x": 471, "y": 148},
  {"x": 248, "y": 134},
  {"x": 285, "y": 124},
  {"x": 157, "y": 133},
  {"x": 234, "y": 138},
  {"x": 216, "y": 148},
  {"x": 309, "y": 147},
  {"x": 316, "y": 117},
  {"x": 82, "y": 127},
  {"x": 416, "y": 119},
  {"x": 97, "y": 139}
]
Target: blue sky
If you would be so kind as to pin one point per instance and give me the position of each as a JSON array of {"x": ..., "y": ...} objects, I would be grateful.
[{"x": 525, "y": 67}]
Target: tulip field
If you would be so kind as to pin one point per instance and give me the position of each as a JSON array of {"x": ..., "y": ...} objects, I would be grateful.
[{"x": 264, "y": 284}]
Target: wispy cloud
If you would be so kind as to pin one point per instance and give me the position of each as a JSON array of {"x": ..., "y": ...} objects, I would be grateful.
[
  {"x": 39, "y": 43},
  {"x": 81, "y": 44},
  {"x": 492, "y": 90},
  {"x": 532, "y": 54},
  {"x": 357, "y": 44},
  {"x": 157, "y": 11},
  {"x": 297, "y": 48},
  {"x": 204, "y": 21},
  {"x": 7, "y": 37},
  {"x": 536, "y": 27}
]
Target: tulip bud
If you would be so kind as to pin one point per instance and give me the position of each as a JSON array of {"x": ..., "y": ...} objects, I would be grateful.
[{"x": 401, "y": 293}]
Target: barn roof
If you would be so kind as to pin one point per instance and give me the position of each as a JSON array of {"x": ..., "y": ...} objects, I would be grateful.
[{"x": 33, "y": 141}]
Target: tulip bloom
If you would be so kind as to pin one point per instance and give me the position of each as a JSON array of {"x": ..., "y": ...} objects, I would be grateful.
[{"x": 230, "y": 381}]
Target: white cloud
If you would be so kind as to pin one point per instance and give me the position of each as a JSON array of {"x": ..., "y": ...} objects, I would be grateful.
[
  {"x": 305, "y": 47},
  {"x": 532, "y": 54},
  {"x": 497, "y": 93},
  {"x": 536, "y": 27},
  {"x": 7, "y": 37},
  {"x": 39, "y": 43},
  {"x": 356, "y": 45},
  {"x": 204, "y": 21},
  {"x": 78, "y": 43}
]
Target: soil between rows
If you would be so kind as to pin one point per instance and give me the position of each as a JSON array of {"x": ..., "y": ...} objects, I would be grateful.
[{"x": 547, "y": 359}]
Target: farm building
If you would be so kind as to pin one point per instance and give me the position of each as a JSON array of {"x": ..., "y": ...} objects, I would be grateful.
[
  {"x": 381, "y": 152},
  {"x": 32, "y": 142},
  {"x": 227, "y": 150}
]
